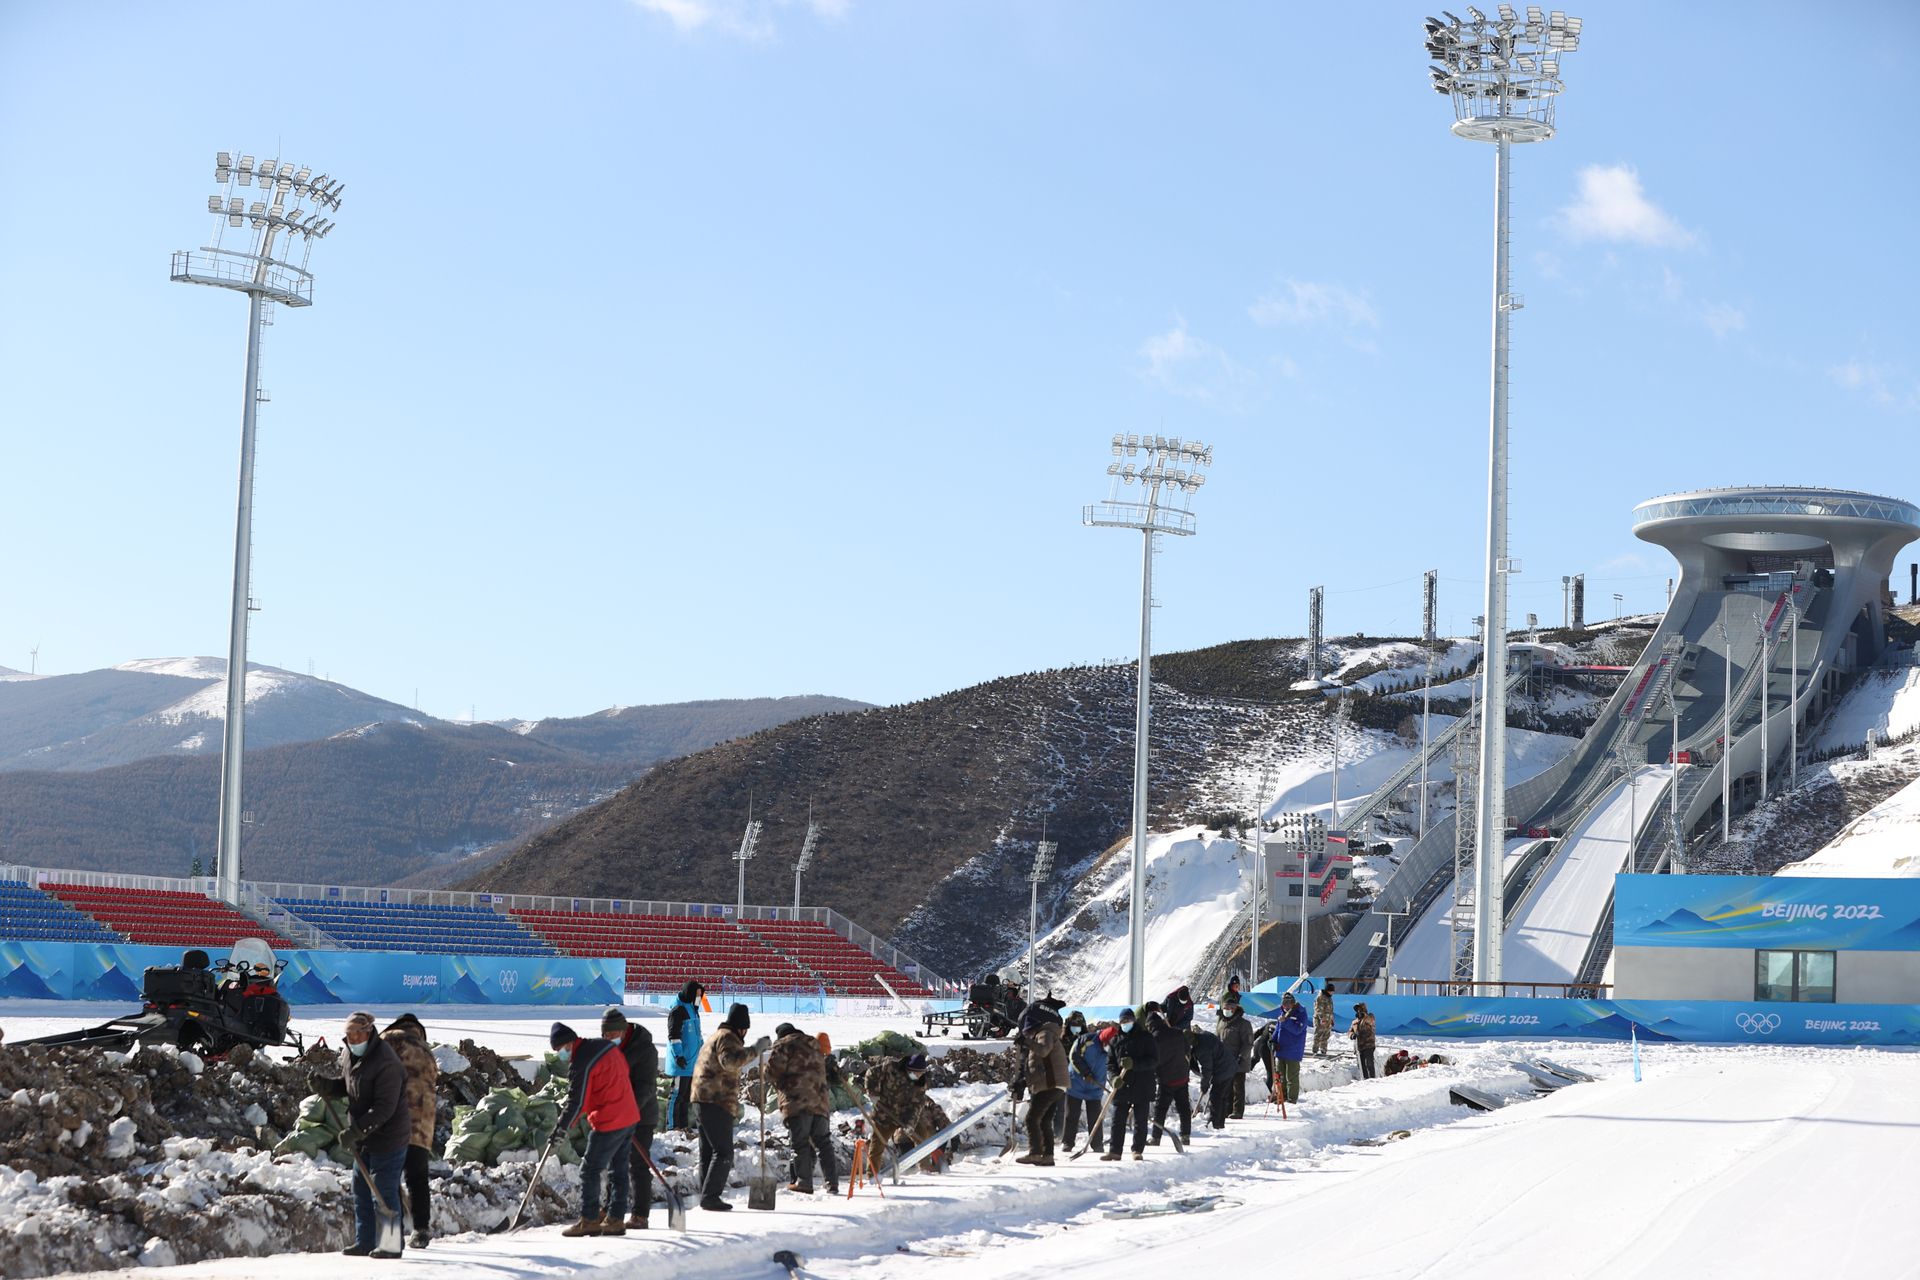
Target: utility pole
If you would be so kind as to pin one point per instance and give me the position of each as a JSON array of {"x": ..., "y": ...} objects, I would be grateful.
[
  {"x": 1426, "y": 714},
  {"x": 1726, "y": 729}
]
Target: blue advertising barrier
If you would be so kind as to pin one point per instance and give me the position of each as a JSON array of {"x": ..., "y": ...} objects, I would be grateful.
[
  {"x": 86, "y": 971},
  {"x": 1697, "y": 1021},
  {"x": 1819, "y": 912}
]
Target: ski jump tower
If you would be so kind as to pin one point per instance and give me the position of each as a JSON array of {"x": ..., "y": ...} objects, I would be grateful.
[{"x": 1732, "y": 538}]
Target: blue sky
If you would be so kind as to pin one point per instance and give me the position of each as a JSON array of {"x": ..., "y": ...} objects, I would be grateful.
[{"x": 703, "y": 348}]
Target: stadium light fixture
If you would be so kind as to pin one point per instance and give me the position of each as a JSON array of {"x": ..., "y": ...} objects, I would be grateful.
[
  {"x": 260, "y": 264},
  {"x": 1171, "y": 475},
  {"x": 749, "y": 846},
  {"x": 1499, "y": 98},
  {"x": 808, "y": 847}
]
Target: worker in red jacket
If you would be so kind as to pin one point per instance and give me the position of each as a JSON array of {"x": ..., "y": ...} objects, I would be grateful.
[{"x": 598, "y": 1083}]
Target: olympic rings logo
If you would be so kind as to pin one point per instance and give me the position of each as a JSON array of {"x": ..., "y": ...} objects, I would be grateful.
[{"x": 1757, "y": 1024}]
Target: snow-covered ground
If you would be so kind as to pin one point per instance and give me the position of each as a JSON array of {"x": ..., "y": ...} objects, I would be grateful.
[
  {"x": 1196, "y": 881},
  {"x": 1549, "y": 934},
  {"x": 1614, "y": 1178},
  {"x": 1883, "y": 841},
  {"x": 1886, "y": 702}
]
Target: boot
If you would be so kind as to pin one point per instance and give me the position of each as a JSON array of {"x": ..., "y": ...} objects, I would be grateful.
[
  {"x": 1138, "y": 1155},
  {"x": 612, "y": 1226},
  {"x": 1045, "y": 1162},
  {"x": 1115, "y": 1155},
  {"x": 418, "y": 1240},
  {"x": 637, "y": 1221},
  {"x": 357, "y": 1250},
  {"x": 584, "y": 1227},
  {"x": 1029, "y": 1158},
  {"x": 715, "y": 1203},
  {"x": 800, "y": 1188}
]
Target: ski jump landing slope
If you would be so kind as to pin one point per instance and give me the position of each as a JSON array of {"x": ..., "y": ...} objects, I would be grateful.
[{"x": 1548, "y": 933}]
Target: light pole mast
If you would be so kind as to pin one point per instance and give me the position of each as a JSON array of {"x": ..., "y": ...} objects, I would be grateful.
[
  {"x": 808, "y": 847},
  {"x": 1042, "y": 868},
  {"x": 1169, "y": 477},
  {"x": 749, "y": 845},
  {"x": 261, "y": 265},
  {"x": 1503, "y": 77}
]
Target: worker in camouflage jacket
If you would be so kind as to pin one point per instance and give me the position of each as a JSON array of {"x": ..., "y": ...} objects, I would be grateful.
[
  {"x": 716, "y": 1101},
  {"x": 897, "y": 1087},
  {"x": 1322, "y": 1021},
  {"x": 408, "y": 1040},
  {"x": 798, "y": 1069},
  {"x": 1040, "y": 1069}
]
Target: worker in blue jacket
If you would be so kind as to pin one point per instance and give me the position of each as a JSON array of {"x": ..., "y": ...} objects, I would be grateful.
[
  {"x": 1086, "y": 1085},
  {"x": 1290, "y": 1044},
  {"x": 683, "y": 1051}
]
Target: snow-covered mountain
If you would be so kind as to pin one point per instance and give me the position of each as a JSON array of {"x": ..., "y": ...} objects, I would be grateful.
[{"x": 170, "y": 706}]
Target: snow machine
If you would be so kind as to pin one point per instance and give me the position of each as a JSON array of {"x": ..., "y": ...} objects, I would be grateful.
[{"x": 206, "y": 1008}]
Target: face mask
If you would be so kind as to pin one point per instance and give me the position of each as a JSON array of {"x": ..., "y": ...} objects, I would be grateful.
[
  {"x": 359, "y": 1050},
  {"x": 1127, "y": 1025},
  {"x": 918, "y": 1077}
]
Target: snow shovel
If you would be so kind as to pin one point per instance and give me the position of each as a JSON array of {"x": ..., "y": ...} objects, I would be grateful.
[
  {"x": 791, "y": 1261},
  {"x": 513, "y": 1223},
  {"x": 676, "y": 1209},
  {"x": 760, "y": 1189},
  {"x": 1106, "y": 1105},
  {"x": 388, "y": 1237}
]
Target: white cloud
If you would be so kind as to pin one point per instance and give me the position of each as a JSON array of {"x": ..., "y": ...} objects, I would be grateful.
[
  {"x": 1308, "y": 303},
  {"x": 747, "y": 19},
  {"x": 1191, "y": 367},
  {"x": 1612, "y": 205},
  {"x": 1723, "y": 318},
  {"x": 1887, "y": 387}
]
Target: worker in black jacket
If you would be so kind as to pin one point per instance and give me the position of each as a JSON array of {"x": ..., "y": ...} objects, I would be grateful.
[
  {"x": 1133, "y": 1066},
  {"x": 635, "y": 1042},
  {"x": 1219, "y": 1068},
  {"x": 378, "y": 1125}
]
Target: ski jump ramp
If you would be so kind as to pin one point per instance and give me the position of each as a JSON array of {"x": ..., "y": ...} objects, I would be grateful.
[{"x": 1779, "y": 596}]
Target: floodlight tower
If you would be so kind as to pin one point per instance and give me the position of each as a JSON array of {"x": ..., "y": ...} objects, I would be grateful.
[
  {"x": 749, "y": 846},
  {"x": 1503, "y": 75},
  {"x": 1042, "y": 868},
  {"x": 807, "y": 849},
  {"x": 261, "y": 265},
  {"x": 1169, "y": 477}
]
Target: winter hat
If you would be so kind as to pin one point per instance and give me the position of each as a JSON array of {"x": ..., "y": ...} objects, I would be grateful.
[
  {"x": 1229, "y": 1010},
  {"x": 406, "y": 1022},
  {"x": 1151, "y": 1006},
  {"x": 1359, "y": 1008},
  {"x": 612, "y": 1024},
  {"x": 1107, "y": 1034},
  {"x": 915, "y": 1062},
  {"x": 1126, "y": 1015},
  {"x": 1051, "y": 1002},
  {"x": 362, "y": 1020},
  {"x": 1288, "y": 999},
  {"x": 561, "y": 1035},
  {"x": 738, "y": 1018},
  {"x": 784, "y": 1030}
]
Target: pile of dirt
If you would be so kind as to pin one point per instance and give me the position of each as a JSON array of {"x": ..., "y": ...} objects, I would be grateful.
[
  {"x": 63, "y": 1105},
  {"x": 961, "y": 1065}
]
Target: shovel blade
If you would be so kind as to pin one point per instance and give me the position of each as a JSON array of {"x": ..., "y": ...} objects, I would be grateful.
[
  {"x": 388, "y": 1235},
  {"x": 760, "y": 1193}
]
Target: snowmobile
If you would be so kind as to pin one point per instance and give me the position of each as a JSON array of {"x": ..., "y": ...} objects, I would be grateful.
[{"x": 200, "y": 1006}]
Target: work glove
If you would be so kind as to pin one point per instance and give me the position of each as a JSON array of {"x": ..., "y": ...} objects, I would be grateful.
[
  {"x": 761, "y": 1045},
  {"x": 354, "y": 1137},
  {"x": 1126, "y": 1064}
]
